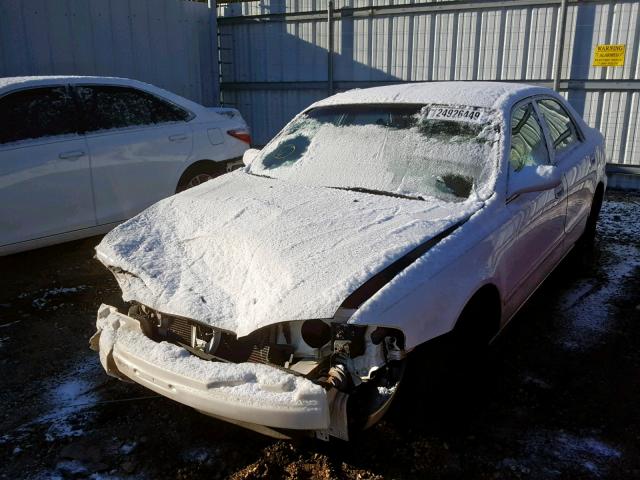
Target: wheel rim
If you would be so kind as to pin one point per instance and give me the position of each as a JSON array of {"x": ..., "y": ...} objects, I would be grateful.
[{"x": 198, "y": 179}]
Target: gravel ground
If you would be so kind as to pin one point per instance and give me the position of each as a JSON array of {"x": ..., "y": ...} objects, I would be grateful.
[{"x": 562, "y": 401}]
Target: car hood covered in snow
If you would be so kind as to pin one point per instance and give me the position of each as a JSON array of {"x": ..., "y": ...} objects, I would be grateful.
[{"x": 241, "y": 251}]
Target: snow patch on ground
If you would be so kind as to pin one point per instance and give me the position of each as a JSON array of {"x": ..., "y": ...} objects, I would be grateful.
[
  {"x": 586, "y": 307},
  {"x": 550, "y": 454},
  {"x": 196, "y": 454},
  {"x": 69, "y": 398},
  {"x": 529, "y": 379},
  {"x": 43, "y": 300},
  {"x": 74, "y": 469},
  {"x": 9, "y": 324},
  {"x": 128, "y": 447}
]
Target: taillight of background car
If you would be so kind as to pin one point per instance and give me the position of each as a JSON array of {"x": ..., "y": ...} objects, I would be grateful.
[{"x": 241, "y": 134}]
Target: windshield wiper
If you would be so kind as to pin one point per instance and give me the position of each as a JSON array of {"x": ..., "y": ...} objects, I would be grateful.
[
  {"x": 378, "y": 192},
  {"x": 260, "y": 175}
]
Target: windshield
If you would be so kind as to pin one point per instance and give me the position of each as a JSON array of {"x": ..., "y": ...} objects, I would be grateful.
[{"x": 412, "y": 151}]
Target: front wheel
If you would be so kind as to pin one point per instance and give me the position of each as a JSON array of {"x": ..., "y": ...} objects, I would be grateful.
[{"x": 448, "y": 378}]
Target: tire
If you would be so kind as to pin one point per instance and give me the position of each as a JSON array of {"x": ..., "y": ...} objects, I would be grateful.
[
  {"x": 366, "y": 406},
  {"x": 585, "y": 254},
  {"x": 589, "y": 235},
  {"x": 448, "y": 378},
  {"x": 197, "y": 174}
]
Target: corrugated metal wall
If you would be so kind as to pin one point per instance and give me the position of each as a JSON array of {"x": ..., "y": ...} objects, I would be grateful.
[
  {"x": 169, "y": 43},
  {"x": 274, "y": 54}
]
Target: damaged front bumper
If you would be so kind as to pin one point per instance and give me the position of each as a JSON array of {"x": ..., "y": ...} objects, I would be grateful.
[{"x": 249, "y": 394}]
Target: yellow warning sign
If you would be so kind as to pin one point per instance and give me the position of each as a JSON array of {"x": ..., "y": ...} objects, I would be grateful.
[{"x": 609, "y": 55}]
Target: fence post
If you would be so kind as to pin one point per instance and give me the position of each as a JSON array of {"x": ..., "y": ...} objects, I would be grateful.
[
  {"x": 330, "y": 48},
  {"x": 215, "y": 52},
  {"x": 560, "y": 33}
]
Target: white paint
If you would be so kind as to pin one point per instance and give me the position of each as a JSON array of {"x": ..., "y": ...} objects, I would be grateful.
[{"x": 242, "y": 251}]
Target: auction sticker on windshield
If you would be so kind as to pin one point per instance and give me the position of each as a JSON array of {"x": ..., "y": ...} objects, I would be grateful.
[{"x": 456, "y": 114}]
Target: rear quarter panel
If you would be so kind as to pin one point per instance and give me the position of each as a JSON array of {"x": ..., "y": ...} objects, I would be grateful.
[{"x": 211, "y": 141}]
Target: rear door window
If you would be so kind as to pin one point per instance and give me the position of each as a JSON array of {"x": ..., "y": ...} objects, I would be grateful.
[
  {"x": 108, "y": 107},
  {"x": 37, "y": 113},
  {"x": 564, "y": 132}
]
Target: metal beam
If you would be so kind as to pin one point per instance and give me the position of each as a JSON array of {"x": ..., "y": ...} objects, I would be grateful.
[
  {"x": 560, "y": 33},
  {"x": 432, "y": 7},
  {"x": 590, "y": 85},
  {"x": 623, "y": 169},
  {"x": 629, "y": 85},
  {"x": 215, "y": 52},
  {"x": 274, "y": 86},
  {"x": 330, "y": 48}
]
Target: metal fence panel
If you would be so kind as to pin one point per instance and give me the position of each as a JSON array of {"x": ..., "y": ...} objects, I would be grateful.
[
  {"x": 169, "y": 43},
  {"x": 285, "y": 47}
]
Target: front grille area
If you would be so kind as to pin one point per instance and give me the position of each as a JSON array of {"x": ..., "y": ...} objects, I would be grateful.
[
  {"x": 257, "y": 347},
  {"x": 179, "y": 330},
  {"x": 272, "y": 353}
]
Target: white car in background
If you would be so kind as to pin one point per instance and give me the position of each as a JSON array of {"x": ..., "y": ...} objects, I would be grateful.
[
  {"x": 291, "y": 295},
  {"x": 78, "y": 155}
]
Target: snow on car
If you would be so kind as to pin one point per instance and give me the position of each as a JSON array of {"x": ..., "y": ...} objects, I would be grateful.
[
  {"x": 78, "y": 155},
  {"x": 292, "y": 294}
]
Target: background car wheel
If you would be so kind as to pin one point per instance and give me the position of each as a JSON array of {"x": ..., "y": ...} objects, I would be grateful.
[{"x": 198, "y": 173}]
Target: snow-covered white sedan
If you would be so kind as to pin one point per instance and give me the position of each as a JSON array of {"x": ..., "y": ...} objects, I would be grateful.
[
  {"x": 78, "y": 155},
  {"x": 290, "y": 295}
]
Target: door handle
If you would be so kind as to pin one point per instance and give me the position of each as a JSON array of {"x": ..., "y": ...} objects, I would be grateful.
[
  {"x": 178, "y": 137},
  {"x": 72, "y": 155},
  {"x": 559, "y": 191}
]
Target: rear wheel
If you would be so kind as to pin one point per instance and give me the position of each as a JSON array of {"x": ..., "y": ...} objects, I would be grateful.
[
  {"x": 199, "y": 173},
  {"x": 589, "y": 234},
  {"x": 585, "y": 253}
]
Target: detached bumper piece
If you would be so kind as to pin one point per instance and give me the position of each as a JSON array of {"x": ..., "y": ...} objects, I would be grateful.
[{"x": 244, "y": 393}]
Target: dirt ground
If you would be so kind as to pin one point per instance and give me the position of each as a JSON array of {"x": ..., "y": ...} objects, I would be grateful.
[{"x": 563, "y": 401}]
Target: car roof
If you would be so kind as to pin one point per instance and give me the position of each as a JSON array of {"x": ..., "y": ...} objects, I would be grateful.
[
  {"x": 495, "y": 95},
  {"x": 12, "y": 83}
]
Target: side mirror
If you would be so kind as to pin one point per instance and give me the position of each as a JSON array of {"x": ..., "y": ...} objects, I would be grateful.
[
  {"x": 249, "y": 155},
  {"x": 534, "y": 178}
]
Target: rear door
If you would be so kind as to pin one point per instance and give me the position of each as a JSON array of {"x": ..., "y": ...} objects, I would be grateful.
[
  {"x": 138, "y": 144},
  {"x": 576, "y": 160},
  {"x": 45, "y": 178}
]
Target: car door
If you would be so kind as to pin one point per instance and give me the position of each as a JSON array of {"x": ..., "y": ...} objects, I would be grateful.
[
  {"x": 577, "y": 161},
  {"x": 138, "y": 143},
  {"x": 539, "y": 216},
  {"x": 45, "y": 178}
]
